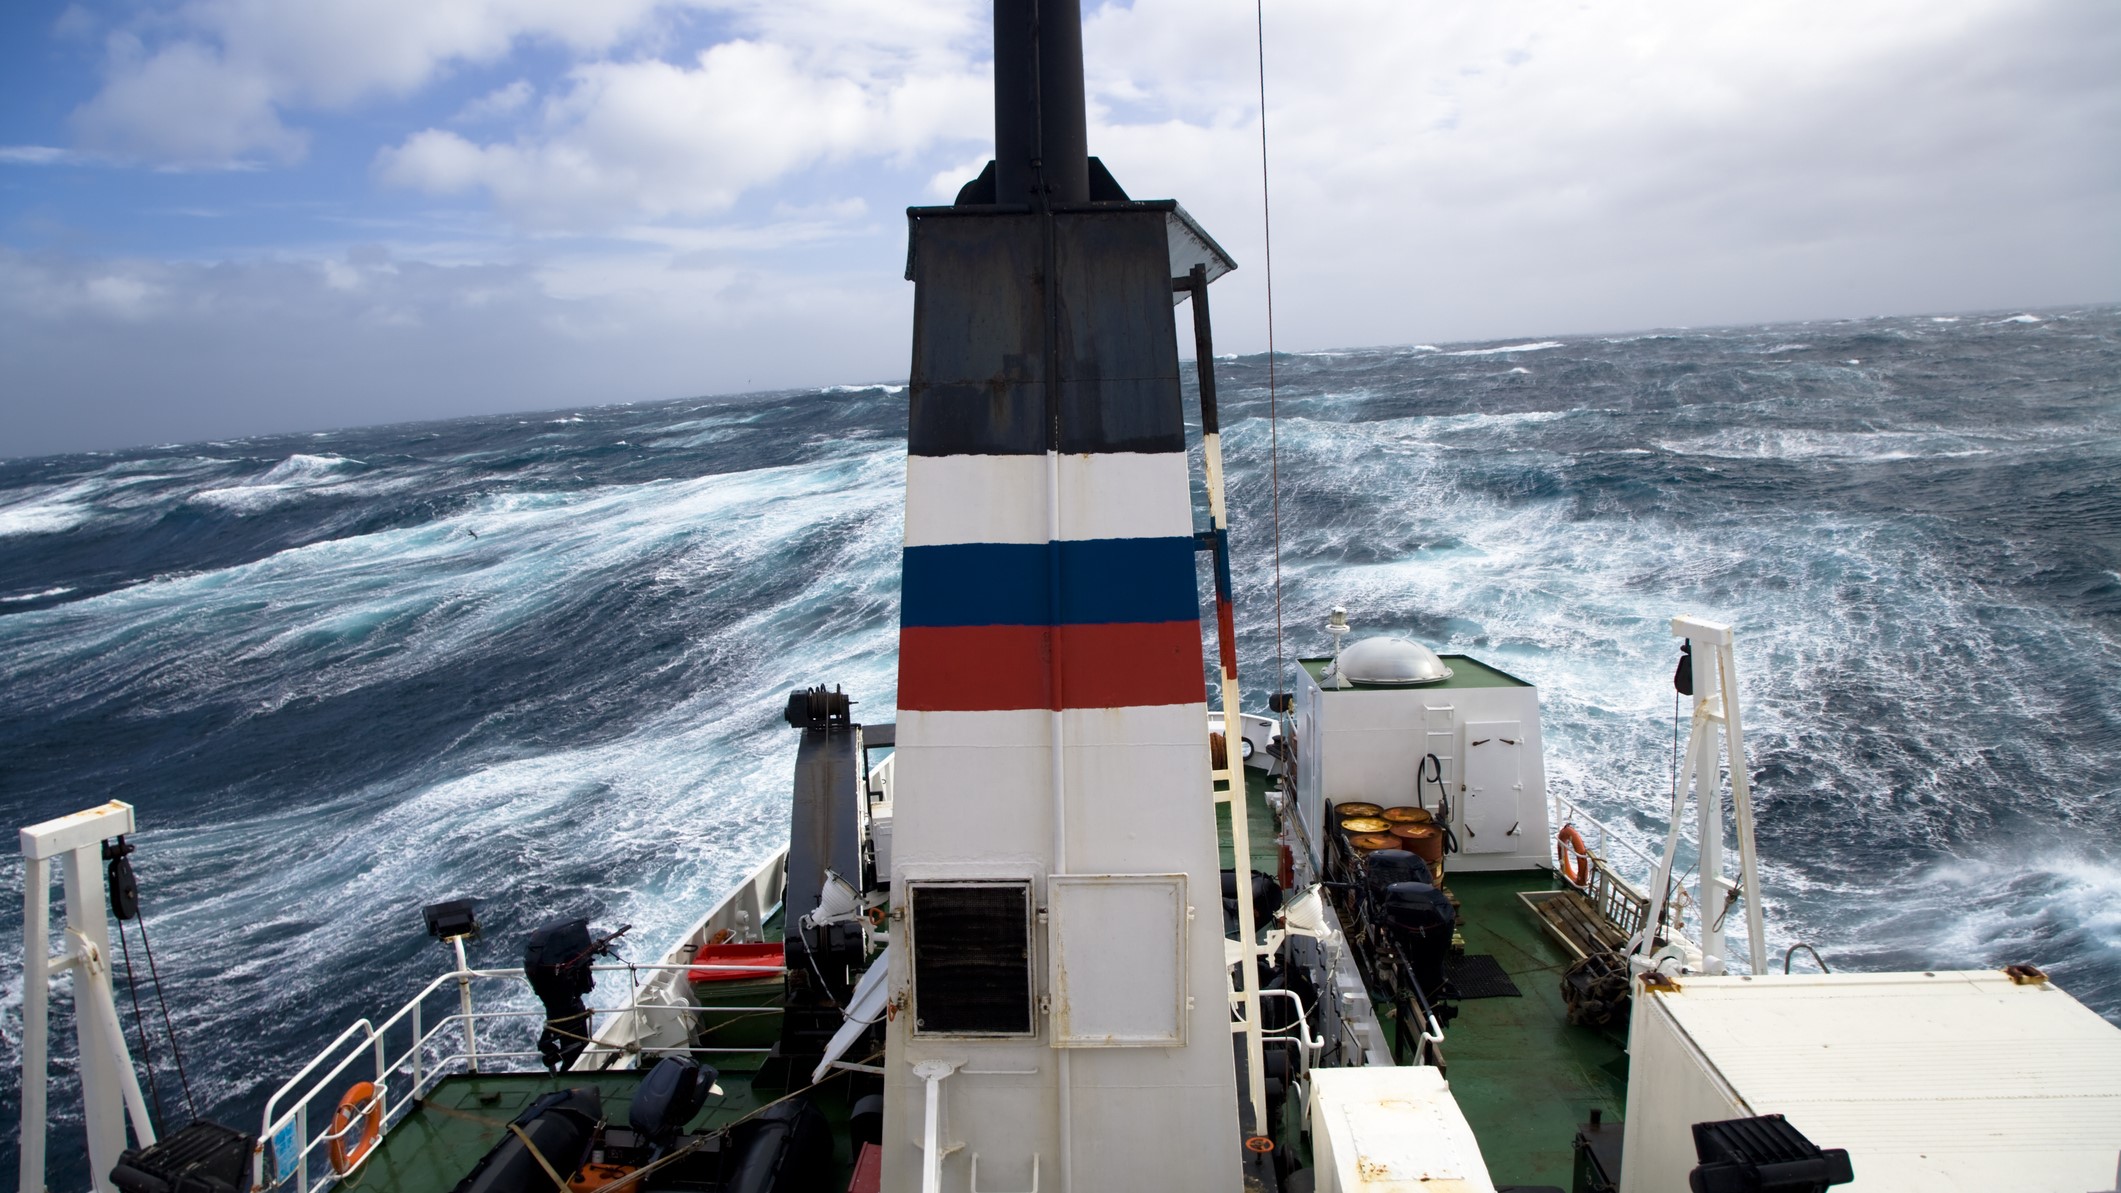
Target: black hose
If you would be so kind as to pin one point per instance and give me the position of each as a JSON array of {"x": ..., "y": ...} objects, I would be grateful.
[{"x": 1443, "y": 797}]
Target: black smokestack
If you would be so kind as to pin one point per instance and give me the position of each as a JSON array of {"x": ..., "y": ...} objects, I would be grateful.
[{"x": 1039, "y": 128}]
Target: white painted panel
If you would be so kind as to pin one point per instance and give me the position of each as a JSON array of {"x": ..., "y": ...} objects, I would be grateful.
[
  {"x": 1002, "y": 499},
  {"x": 1494, "y": 780},
  {"x": 1117, "y": 956}
]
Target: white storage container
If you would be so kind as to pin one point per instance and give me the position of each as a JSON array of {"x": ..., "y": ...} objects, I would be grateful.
[
  {"x": 1938, "y": 1082},
  {"x": 1388, "y": 1129}
]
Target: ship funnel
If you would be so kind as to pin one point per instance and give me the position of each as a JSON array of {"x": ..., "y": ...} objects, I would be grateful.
[{"x": 1040, "y": 136}]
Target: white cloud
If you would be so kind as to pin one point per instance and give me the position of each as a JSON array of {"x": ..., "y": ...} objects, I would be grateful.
[
  {"x": 649, "y": 138},
  {"x": 1528, "y": 166},
  {"x": 495, "y": 104},
  {"x": 184, "y": 105},
  {"x": 35, "y": 155},
  {"x": 209, "y": 81}
]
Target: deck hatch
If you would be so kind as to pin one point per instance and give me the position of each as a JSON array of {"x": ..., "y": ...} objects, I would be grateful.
[{"x": 971, "y": 958}]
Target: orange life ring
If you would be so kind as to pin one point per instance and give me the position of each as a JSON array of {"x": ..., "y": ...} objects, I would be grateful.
[
  {"x": 1573, "y": 856},
  {"x": 364, "y": 1102}
]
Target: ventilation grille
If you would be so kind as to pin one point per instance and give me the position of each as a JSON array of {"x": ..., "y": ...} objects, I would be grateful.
[{"x": 971, "y": 958}]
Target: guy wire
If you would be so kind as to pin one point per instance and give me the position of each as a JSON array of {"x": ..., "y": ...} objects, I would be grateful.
[
  {"x": 1266, "y": 212},
  {"x": 168, "y": 1028}
]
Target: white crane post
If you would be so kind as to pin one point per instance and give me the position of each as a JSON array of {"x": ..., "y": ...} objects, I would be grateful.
[
  {"x": 1742, "y": 810},
  {"x": 108, "y": 1084}
]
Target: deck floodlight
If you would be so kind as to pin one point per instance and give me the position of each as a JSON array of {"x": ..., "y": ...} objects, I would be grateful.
[{"x": 452, "y": 919}]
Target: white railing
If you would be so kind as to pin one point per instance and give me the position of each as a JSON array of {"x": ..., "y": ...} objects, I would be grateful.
[
  {"x": 293, "y": 1148},
  {"x": 1598, "y": 835}
]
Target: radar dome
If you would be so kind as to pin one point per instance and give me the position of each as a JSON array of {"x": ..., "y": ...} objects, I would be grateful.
[{"x": 1392, "y": 661}]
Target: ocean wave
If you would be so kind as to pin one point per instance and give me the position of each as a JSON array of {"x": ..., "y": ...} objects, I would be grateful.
[
  {"x": 1541, "y": 346},
  {"x": 293, "y": 479},
  {"x": 43, "y": 517},
  {"x": 1853, "y": 446}
]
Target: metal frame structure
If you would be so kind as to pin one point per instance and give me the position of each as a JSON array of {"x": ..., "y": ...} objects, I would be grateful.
[
  {"x": 110, "y": 1090},
  {"x": 1716, "y": 723}
]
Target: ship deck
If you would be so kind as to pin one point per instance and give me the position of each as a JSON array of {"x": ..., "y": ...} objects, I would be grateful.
[{"x": 1522, "y": 1075}]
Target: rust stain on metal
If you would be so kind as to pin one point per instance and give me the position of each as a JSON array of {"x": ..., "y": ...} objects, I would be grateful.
[{"x": 2025, "y": 975}]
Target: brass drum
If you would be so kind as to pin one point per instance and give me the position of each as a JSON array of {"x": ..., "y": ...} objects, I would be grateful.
[
  {"x": 1422, "y": 840},
  {"x": 1368, "y": 842},
  {"x": 1358, "y": 810},
  {"x": 1408, "y": 815},
  {"x": 1365, "y": 824}
]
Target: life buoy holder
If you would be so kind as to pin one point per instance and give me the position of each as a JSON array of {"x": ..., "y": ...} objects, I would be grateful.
[
  {"x": 362, "y": 1103},
  {"x": 1573, "y": 856}
]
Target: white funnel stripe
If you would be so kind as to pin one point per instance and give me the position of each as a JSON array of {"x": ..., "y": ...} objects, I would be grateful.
[
  {"x": 1149, "y": 725},
  {"x": 1002, "y": 499}
]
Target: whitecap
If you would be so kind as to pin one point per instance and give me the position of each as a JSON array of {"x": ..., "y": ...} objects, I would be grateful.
[
  {"x": 1520, "y": 369},
  {"x": 42, "y": 518},
  {"x": 1944, "y": 318},
  {"x": 2020, "y": 319},
  {"x": 863, "y": 389},
  {"x": 1541, "y": 346},
  {"x": 34, "y": 596},
  {"x": 297, "y": 476}
]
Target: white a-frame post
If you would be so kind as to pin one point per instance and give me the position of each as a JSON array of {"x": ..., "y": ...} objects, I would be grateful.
[
  {"x": 1716, "y": 722},
  {"x": 109, "y": 1087}
]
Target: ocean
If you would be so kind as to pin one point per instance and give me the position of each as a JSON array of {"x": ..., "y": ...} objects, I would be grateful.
[{"x": 541, "y": 659}]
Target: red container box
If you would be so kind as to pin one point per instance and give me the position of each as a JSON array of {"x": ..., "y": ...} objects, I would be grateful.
[{"x": 754, "y": 961}]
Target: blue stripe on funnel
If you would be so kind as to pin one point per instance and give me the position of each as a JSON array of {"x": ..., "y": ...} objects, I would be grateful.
[{"x": 1103, "y": 582}]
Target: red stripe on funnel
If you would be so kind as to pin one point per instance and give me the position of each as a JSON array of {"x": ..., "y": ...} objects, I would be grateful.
[{"x": 991, "y": 668}]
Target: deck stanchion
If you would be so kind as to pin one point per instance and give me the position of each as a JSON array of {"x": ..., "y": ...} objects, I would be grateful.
[{"x": 471, "y": 1028}]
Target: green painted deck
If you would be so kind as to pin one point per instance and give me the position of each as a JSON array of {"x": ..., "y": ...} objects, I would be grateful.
[
  {"x": 432, "y": 1148},
  {"x": 1523, "y": 1075},
  {"x": 463, "y": 1116},
  {"x": 1259, "y": 822},
  {"x": 1466, "y": 672}
]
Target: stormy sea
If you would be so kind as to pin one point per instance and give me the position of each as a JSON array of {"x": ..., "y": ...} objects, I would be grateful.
[{"x": 541, "y": 659}]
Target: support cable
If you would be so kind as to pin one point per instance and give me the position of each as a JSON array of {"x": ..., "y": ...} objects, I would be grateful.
[
  {"x": 168, "y": 1028},
  {"x": 1266, "y": 212},
  {"x": 147, "y": 1044}
]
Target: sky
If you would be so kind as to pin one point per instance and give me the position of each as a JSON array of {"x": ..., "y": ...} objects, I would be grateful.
[{"x": 229, "y": 217}]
